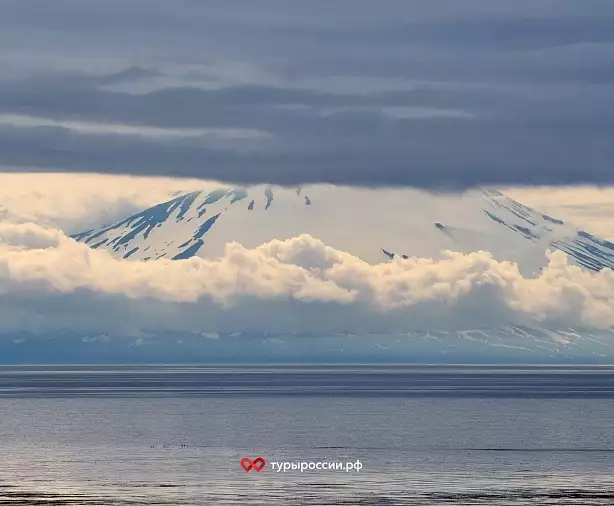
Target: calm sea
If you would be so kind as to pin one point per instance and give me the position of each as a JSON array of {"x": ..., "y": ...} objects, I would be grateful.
[{"x": 424, "y": 435}]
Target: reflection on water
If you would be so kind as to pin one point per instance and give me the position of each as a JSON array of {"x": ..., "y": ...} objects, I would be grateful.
[{"x": 523, "y": 441}]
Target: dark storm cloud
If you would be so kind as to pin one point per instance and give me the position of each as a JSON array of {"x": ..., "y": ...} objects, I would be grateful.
[{"x": 430, "y": 94}]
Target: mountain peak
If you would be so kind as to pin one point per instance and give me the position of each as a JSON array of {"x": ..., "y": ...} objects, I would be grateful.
[{"x": 362, "y": 222}]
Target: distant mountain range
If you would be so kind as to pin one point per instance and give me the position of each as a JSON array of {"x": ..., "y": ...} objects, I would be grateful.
[{"x": 511, "y": 344}]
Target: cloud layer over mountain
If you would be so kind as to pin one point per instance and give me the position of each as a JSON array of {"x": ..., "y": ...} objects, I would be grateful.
[
  {"x": 49, "y": 282},
  {"x": 428, "y": 94}
]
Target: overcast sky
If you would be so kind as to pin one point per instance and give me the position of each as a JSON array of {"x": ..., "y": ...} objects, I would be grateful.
[{"x": 431, "y": 94}]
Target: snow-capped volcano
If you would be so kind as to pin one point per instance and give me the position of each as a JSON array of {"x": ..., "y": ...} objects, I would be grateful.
[
  {"x": 373, "y": 225},
  {"x": 294, "y": 291}
]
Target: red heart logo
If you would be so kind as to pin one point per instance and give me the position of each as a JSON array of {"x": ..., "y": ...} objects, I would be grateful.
[{"x": 257, "y": 464}]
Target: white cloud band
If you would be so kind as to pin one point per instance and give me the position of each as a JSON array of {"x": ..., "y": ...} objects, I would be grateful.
[{"x": 249, "y": 286}]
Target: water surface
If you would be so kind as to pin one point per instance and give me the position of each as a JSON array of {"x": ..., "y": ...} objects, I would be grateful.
[{"x": 425, "y": 435}]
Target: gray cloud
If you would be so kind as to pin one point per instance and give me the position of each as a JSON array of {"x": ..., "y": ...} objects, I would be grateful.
[{"x": 414, "y": 93}]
